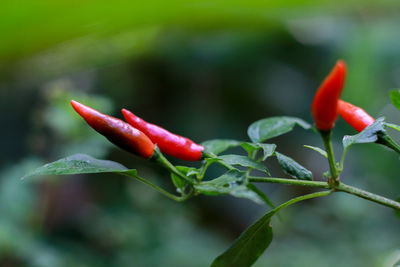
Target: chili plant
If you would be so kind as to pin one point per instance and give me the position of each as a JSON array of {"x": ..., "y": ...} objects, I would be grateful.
[{"x": 150, "y": 142}]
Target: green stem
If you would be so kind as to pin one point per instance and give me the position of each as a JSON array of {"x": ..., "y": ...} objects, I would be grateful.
[
  {"x": 162, "y": 191},
  {"x": 300, "y": 198},
  {"x": 339, "y": 186},
  {"x": 159, "y": 158},
  {"x": 384, "y": 139},
  {"x": 342, "y": 158},
  {"x": 203, "y": 170},
  {"x": 326, "y": 137},
  {"x": 289, "y": 182},
  {"x": 367, "y": 195},
  {"x": 252, "y": 156}
]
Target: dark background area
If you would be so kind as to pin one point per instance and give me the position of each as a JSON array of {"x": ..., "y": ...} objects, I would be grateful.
[{"x": 204, "y": 70}]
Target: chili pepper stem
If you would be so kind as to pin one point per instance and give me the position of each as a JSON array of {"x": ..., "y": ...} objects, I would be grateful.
[
  {"x": 160, "y": 159},
  {"x": 386, "y": 140},
  {"x": 326, "y": 137}
]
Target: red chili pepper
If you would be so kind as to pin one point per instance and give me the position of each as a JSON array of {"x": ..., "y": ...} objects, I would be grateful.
[
  {"x": 359, "y": 120},
  {"x": 324, "y": 106},
  {"x": 171, "y": 144},
  {"x": 355, "y": 116},
  {"x": 116, "y": 131}
]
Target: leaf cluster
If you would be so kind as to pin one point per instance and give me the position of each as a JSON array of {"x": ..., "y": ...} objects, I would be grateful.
[{"x": 237, "y": 180}]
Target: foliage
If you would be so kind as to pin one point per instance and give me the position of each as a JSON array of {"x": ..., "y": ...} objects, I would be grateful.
[
  {"x": 220, "y": 65},
  {"x": 188, "y": 180}
]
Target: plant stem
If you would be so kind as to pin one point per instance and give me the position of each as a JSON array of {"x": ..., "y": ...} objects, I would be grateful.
[
  {"x": 368, "y": 195},
  {"x": 339, "y": 186},
  {"x": 203, "y": 170},
  {"x": 342, "y": 158},
  {"x": 326, "y": 137},
  {"x": 386, "y": 140},
  {"x": 289, "y": 182},
  {"x": 159, "y": 158},
  {"x": 162, "y": 191},
  {"x": 300, "y": 198}
]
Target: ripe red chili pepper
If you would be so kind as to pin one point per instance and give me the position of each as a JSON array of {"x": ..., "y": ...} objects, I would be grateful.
[
  {"x": 359, "y": 120},
  {"x": 116, "y": 131},
  {"x": 355, "y": 116},
  {"x": 171, "y": 144},
  {"x": 324, "y": 106}
]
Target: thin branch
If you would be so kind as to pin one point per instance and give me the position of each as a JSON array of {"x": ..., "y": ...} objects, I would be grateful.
[
  {"x": 368, "y": 195},
  {"x": 289, "y": 182},
  {"x": 335, "y": 187}
]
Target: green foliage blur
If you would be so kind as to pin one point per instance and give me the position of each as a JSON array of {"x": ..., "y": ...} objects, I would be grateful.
[{"x": 203, "y": 69}]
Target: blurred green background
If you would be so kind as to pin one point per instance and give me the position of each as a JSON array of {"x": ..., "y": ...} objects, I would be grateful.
[{"x": 203, "y": 69}]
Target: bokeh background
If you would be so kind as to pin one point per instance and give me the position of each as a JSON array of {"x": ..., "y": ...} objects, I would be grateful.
[{"x": 203, "y": 69}]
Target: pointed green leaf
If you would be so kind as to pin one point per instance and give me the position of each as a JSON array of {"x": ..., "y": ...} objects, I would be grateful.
[
  {"x": 81, "y": 163},
  {"x": 210, "y": 161},
  {"x": 265, "y": 129},
  {"x": 218, "y": 146},
  {"x": 249, "y": 147},
  {"x": 188, "y": 171},
  {"x": 317, "y": 149},
  {"x": 244, "y": 162},
  {"x": 250, "y": 245},
  {"x": 255, "y": 189},
  {"x": 78, "y": 164},
  {"x": 233, "y": 182},
  {"x": 292, "y": 168},
  {"x": 268, "y": 149},
  {"x": 178, "y": 181},
  {"x": 395, "y": 97},
  {"x": 368, "y": 135}
]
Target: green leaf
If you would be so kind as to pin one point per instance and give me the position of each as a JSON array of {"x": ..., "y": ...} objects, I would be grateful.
[
  {"x": 218, "y": 146},
  {"x": 395, "y": 97},
  {"x": 249, "y": 147},
  {"x": 317, "y": 149},
  {"x": 393, "y": 126},
  {"x": 265, "y": 129},
  {"x": 250, "y": 245},
  {"x": 255, "y": 189},
  {"x": 78, "y": 164},
  {"x": 81, "y": 163},
  {"x": 180, "y": 183},
  {"x": 368, "y": 135},
  {"x": 244, "y": 162},
  {"x": 292, "y": 168},
  {"x": 188, "y": 171},
  {"x": 268, "y": 149},
  {"x": 256, "y": 239},
  {"x": 233, "y": 182}
]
